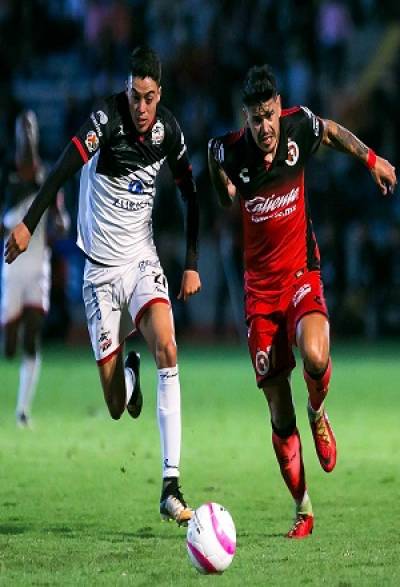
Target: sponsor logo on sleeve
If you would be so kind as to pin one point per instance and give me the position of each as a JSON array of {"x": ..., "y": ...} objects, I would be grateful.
[
  {"x": 314, "y": 119},
  {"x": 102, "y": 117},
  {"x": 157, "y": 133},
  {"x": 99, "y": 118},
  {"x": 92, "y": 141},
  {"x": 218, "y": 151}
]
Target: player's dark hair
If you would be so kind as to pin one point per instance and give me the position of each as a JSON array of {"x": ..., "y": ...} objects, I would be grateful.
[
  {"x": 144, "y": 62},
  {"x": 259, "y": 85}
]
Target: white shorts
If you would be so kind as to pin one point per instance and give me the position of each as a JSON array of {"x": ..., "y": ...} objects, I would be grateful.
[
  {"x": 115, "y": 299},
  {"x": 25, "y": 284}
]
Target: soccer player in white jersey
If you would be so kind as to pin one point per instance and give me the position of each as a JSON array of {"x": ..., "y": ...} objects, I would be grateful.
[
  {"x": 26, "y": 283},
  {"x": 121, "y": 147}
]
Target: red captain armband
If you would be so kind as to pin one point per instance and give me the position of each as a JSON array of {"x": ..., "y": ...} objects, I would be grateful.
[{"x": 371, "y": 159}]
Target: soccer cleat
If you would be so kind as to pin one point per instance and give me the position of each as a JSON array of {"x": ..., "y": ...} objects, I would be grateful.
[
  {"x": 135, "y": 403},
  {"x": 172, "y": 504},
  {"x": 324, "y": 439},
  {"x": 302, "y": 527},
  {"x": 23, "y": 421}
]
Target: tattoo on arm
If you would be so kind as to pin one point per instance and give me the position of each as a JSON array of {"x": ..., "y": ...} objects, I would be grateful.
[{"x": 339, "y": 138}]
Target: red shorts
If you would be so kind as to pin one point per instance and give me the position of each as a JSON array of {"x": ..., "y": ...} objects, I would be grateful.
[{"x": 272, "y": 319}]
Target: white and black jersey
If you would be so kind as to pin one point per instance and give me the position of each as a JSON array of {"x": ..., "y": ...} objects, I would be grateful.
[
  {"x": 117, "y": 185},
  {"x": 18, "y": 197}
]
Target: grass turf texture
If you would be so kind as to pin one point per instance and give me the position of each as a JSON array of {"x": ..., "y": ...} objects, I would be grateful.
[{"x": 79, "y": 493}]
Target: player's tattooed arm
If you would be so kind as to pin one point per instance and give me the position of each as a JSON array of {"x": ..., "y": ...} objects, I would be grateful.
[
  {"x": 382, "y": 171},
  {"x": 224, "y": 187},
  {"x": 339, "y": 138}
]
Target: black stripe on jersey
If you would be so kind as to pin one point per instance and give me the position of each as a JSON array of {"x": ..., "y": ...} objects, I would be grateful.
[{"x": 313, "y": 259}]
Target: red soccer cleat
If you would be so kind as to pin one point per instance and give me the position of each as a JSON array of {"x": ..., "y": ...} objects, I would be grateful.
[
  {"x": 324, "y": 440},
  {"x": 302, "y": 527}
]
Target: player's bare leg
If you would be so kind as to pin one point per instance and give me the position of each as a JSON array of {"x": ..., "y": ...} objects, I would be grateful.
[
  {"x": 287, "y": 445},
  {"x": 112, "y": 377},
  {"x": 157, "y": 327},
  {"x": 32, "y": 322},
  {"x": 313, "y": 342}
]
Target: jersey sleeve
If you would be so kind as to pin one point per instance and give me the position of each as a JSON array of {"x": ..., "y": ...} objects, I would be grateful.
[
  {"x": 312, "y": 130},
  {"x": 177, "y": 155},
  {"x": 96, "y": 130}
]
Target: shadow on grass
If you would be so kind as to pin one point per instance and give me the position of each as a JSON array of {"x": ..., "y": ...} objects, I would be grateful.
[{"x": 13, "y": 530}]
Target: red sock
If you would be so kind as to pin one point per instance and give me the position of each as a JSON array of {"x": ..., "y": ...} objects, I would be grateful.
[
  {"x": 290, "y": 459},
  {"x": 318, "y": 388}
]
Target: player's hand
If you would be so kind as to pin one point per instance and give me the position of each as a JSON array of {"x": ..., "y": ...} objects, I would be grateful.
[
  {"x": 190, "y": 285},
  {"x": 384, "y": 175},
  {"x": 17, "y": 242}
]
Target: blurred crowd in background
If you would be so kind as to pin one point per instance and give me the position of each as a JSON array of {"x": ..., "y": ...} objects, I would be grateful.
[{"x": 339, "y": 58}]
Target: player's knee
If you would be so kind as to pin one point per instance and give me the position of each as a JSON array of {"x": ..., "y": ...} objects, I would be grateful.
[
  {"x": 166, "y": 353},
  {"x": 316, "y": 360}
]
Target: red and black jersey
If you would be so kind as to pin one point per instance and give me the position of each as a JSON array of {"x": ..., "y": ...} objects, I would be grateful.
[{"x": 279, "y": 240}]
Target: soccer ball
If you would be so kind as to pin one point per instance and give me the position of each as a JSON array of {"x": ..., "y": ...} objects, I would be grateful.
[{"x": 211, "y": 539}]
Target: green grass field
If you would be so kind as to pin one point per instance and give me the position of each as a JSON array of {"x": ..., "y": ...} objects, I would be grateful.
[{"x": 79, "y": 493}]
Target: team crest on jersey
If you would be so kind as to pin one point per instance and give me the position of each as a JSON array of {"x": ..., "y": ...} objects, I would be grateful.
[
  {"x": 293, "y": 153},
  {"x": 136, "y": 186},
  {"x": 157, "y": 133},
  {"x": 91, "y": 141},
  {"x": 262, "y": 361}
]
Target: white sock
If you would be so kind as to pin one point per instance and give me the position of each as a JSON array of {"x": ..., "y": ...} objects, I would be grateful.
[
  {"x": 169, "y": 419},
  {"x": 28, "y": 378},
  {"x": 304, "y": 506},
  {"x": 130, "y": 380}
]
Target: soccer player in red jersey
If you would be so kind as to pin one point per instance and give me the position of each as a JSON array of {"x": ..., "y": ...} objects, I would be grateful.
[{"x": 263, "y": 165}]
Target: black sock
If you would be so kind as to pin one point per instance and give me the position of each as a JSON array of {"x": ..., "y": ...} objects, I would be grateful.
[{"x": 285, "y": 432}]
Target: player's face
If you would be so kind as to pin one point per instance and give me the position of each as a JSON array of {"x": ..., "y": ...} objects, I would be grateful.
[
  {"x": 263, "y": 121},
  {"x": 143, "y": 96}
]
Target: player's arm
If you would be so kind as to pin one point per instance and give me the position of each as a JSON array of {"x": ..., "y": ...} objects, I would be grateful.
[
  {"x": 191, "y": 283},
  {"x": 339, "y": 138},
  {"x": 224, "y": 187},
  {"x": 181, "y": 170},
  {"x": 67, "y": 165}
]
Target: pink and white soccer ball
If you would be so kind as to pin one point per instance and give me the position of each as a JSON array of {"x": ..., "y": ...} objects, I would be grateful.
[{"x": 211, "y": 538}]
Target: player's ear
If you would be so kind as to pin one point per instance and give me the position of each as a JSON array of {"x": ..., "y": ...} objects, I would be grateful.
[
  {"x": 279, "y": 104},
  {"x": 159, "y": 93},
  {"x": 245, "y": 114}
]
